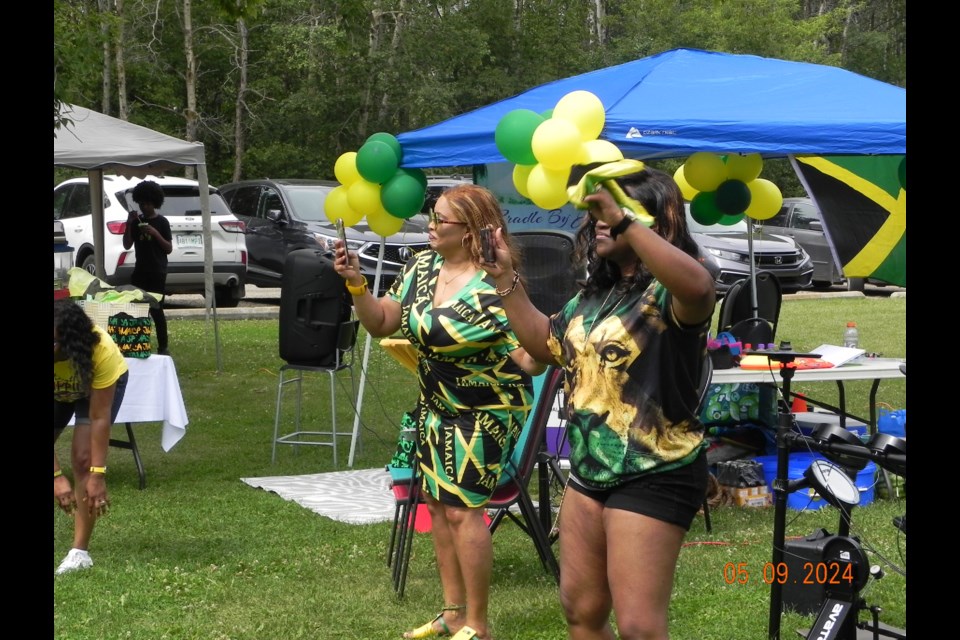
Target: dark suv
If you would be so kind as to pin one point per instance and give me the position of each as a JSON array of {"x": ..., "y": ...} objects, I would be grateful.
[{"x": 286, "y": 214}]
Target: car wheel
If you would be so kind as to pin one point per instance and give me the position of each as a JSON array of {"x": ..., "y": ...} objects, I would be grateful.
[
  {"x": 90, "y": 264},
  {"x": 855, "y": 284},
  {"x": 227, "y": 297}
]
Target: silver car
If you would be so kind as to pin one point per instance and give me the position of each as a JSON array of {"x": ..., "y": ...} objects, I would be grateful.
[{"x": 725, "y": 252}]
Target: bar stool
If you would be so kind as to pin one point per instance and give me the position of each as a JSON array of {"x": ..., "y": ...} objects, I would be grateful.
[{"x": 342, "y": 361}]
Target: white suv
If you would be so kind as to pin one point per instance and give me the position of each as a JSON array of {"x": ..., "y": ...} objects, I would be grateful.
[{"x": 181, "y": 206}]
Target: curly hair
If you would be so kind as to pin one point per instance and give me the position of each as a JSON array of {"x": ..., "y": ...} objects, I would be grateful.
[
  {"x": 76, "y": 337},
  {"x": 659, "y": 194},
  {"x": 478, "y": 207},
  {"x": 148, "y": 191}
]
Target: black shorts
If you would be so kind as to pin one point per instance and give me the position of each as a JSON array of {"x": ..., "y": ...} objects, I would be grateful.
[{"x": 673, "y": 496}]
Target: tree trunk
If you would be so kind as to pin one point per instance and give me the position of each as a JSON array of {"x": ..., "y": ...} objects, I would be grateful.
[
  {"x": 191, "y": 78},
  {"x": 106, "y": 88},
  {"x": 123, "y": 111},
  {"x": 241, "y": 107}
]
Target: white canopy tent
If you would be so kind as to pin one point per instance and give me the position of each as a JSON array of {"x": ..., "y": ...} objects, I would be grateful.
[{"x": 97, "y": 143}]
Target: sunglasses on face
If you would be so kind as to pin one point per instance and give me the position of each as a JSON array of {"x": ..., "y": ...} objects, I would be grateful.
[{"x": 437, "y": 220}]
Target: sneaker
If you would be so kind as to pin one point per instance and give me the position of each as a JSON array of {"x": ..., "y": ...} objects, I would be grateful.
[{"x": 76, "y": 559}]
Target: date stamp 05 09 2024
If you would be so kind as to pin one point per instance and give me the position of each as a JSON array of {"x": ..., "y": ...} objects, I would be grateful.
[{"x": 813, "y": 573}]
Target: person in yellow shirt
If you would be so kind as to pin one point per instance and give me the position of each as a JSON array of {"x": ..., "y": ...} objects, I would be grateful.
[{"x": 89, "y": 381}]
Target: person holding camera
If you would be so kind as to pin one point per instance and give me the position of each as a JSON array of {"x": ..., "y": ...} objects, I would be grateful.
[
  {"x": 632, "y": 344},
  {"x": 149, "y": 234},
  {"x": 475, "y": 391},
  {"x": 89, "y": 381}
]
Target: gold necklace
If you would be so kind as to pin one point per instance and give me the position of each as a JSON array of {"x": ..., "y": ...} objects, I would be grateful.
[{"x": 456, "y": 275}]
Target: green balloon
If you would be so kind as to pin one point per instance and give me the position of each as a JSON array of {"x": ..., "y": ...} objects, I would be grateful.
[
  {"x": 703, "y": 208},
  {"x": 383, "y": 136},
  {"x": 402, "y": 195},
  {"x": 376, "y": 161},
  {"x": 514, "y": 133},
  {"x": 730, "y": 220},
  {"x": 733, "y": 197},
  {"x": 420, "y": 176}
]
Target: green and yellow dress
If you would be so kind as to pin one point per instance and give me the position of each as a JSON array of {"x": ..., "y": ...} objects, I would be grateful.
[{"x": 474, "y": 399}]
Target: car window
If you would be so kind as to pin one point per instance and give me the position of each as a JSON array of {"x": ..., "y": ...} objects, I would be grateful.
[
  {"x": 307, "y": 202},
  {"x": 60, "y": 197},
  {"x": 244, "y": 200},
  {"x": 804, "y": 216},
  {"x": 779, "y": 220},
  {"x": 181, "y": 201},
  {"x": 77, "y": 202},
  {"x": 270, "y": 201}
]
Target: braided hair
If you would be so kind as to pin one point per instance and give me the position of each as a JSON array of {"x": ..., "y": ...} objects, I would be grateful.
[{"x": 76, "y": 337}]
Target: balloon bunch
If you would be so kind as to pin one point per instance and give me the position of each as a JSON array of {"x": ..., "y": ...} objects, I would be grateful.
[
  {"x": 545, "y": 146},
  {"x": 372, "y": 183},
  {"x": 722, "y": 189}
]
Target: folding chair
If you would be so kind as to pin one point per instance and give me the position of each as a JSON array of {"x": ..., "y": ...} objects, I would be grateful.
[
  {"x": 512, "y": 490},
  {"x": 737, "y": 313}
]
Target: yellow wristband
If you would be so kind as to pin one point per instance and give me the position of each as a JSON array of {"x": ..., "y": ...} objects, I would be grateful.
[
  {"x": 358, "y": 290},
  {"x": 57, "y": 473},
  {"x": 102, "y": 470}
]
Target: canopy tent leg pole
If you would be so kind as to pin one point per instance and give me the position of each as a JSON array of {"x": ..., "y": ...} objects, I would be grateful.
[
  {"x": 209, "y": 297},
  {"x": 95, "y": 181},
  {"x": 366, "y": 358},
  {"x": 754, "y": 306}
]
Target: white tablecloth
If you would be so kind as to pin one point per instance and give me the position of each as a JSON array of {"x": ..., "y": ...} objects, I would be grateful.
[{"x": 153, "y": 395}]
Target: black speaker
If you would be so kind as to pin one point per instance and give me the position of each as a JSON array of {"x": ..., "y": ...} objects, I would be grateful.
[
  {"x": 818, "y": 566},
  {"x": 314, "y": 301},
  {"x": 550, "y": 274}
]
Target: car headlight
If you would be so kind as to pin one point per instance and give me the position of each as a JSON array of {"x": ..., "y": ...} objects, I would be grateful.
[
  {"x": 729, "y": 255},
  {"x": 328, "y": 243}
]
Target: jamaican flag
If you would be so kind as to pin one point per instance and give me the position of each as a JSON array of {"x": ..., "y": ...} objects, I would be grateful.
[{"x": 863, "y": 203}]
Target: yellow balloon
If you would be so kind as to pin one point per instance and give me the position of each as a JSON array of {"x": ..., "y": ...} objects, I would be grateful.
[
  {"x": 599, "y": 151},
  {"x": 744, "y": 168},
  {"x": 548, "y": 188},
  {"x": 765, "y": 199},
  {"x": 336, "y": 206},
  {"x": 382, "y": 223},
  {"x": 345, "y": 168},
  {"x": 521, "y": 173},
  {"x": 584, "y": 110},
  {"x": 685, "y": 188},
  {"x": 364, "y": 197},
  {"x": 704, "y": 171},
  {"x": 556, "y": 143}
]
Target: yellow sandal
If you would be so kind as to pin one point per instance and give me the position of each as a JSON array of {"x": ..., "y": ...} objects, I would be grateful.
[
  {"x": 430, "y": 630},
  {"x": 466, "y": 633}
]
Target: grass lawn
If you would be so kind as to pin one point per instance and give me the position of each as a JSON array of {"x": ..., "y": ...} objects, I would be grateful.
[{"x": 200, "y": 555}]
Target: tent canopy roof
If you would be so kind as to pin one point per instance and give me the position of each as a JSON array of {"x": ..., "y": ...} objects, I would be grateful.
[
  {"x": 98, "y": 141},
  {"x": 683, "y": 101}
]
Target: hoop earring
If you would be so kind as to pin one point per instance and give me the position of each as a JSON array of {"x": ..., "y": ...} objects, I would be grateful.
[{"x": 463, "y": 239}]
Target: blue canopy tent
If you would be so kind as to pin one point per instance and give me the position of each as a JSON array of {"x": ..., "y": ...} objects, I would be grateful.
[
  {"x": 682, "y": 101},
  {"x": 686, "y": 100}
]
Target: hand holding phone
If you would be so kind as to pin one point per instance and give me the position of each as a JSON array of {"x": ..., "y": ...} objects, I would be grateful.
[
  {"x": 342, "y": 233},
  {"x": 487, "y": 252}
]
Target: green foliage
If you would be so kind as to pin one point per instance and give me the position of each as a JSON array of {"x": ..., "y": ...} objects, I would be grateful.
[
  {"x": 200, "y": 555},
  {"x": 323, "y": 76}
]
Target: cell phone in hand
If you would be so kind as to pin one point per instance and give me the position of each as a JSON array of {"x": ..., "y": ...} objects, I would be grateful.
[
  {"x": 486, "y": 246},
  {"x": 342, "y": 233}
]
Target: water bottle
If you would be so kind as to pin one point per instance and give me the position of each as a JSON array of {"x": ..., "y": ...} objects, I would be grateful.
[{"x": 851, "y": 337}]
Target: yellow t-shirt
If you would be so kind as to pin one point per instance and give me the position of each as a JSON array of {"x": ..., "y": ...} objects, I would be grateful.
[{"x": 108, "y": 366}]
